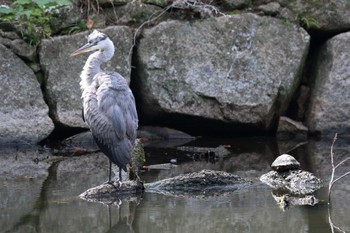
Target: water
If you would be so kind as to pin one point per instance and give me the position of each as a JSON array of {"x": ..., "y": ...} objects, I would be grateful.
[{"x": 43, "y": 197}]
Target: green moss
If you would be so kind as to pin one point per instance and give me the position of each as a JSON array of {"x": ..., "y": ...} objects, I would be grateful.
[{"x": 307, "y": 22}]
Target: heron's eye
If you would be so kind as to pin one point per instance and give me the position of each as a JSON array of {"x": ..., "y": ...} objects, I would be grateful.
[{"x": 92, "y": 42}]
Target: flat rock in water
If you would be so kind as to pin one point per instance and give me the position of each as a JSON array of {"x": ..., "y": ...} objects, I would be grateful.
[
  {"x": 203, "y": 181},
  {"x": 109, "y": 191},
  {"x": 198, "y": 184}
]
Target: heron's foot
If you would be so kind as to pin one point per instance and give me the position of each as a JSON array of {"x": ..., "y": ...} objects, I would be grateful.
[{"x": 115, "y": 184}]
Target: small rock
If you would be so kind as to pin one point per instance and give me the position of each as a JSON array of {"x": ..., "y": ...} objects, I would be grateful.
[
  {"x": 271, "y": 8},
  {"x": 285, "y": 162}
]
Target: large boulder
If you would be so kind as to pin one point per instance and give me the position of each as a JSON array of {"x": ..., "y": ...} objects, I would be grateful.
[
  {"x": 234, "y": 69},
  {"x": 23, "y": 113},
  {"x": 62, "y": 72},
  {"x": 329, "y": 109},
  {"x": 322, "y": 15}
]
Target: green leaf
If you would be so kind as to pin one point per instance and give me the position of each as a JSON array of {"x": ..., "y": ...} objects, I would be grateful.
[
  {"x": 47, "y": 3},
  {"x": 64, "y": 2},
  {"x": 42, "y": 3},
  {"x": 5, "y": 10},
  {"x": 36, "y": 12},
  {"x": 22, "y": 2}
]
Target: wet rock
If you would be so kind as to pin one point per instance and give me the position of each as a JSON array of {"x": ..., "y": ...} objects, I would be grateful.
[
  {"x": 285, "y": 162},
  {"x": 62, "y": 72},
  {"x": 23, "y": 112},
  {"x": 294, "y": 181},
  {"x": 290, "y": 129},
  {"x": 108, "y": 191},
  {"x": 329, "y": 111},
  {"x": 203, "y": 181},
  {"x": 288, "y": 178},
  {"x": 217, "y": 69}
]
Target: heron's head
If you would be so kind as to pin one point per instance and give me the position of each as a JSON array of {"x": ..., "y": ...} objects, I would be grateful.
[{"x": 96, "y": 41}]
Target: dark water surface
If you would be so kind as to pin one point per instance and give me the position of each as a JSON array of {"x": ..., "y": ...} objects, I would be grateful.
[{"x": 39, "y": 192}]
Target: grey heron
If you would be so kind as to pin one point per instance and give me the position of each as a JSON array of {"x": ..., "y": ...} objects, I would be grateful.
[{"x": 108, "y": 103}]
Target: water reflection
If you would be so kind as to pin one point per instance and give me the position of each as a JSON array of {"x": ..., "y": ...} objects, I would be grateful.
[{"x": 42, "y": 197}]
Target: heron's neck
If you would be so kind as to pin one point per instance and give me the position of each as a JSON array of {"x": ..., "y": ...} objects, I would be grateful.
[{"x": 93, "y": 65}]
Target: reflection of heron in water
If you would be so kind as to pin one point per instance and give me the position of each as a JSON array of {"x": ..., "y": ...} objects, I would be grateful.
[
  {"x": 109, "y": 105},
  {"x": 121, "y": 226}
]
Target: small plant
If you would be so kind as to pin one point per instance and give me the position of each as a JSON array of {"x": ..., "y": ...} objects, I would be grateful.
[
  {"x": 31, "y": 17},
  {"x": 307, "y": 22}
]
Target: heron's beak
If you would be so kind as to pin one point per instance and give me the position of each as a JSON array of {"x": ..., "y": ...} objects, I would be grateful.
[{"x": 83, "y": 49}]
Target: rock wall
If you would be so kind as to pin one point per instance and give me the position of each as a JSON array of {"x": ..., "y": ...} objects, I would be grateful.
[{"x": 216, "y": 64}]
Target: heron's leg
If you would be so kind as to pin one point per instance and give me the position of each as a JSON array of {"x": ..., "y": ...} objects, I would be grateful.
[
  {"x": 110, "y": 182},
  {"x": 110, "y": 171},
  {"x": 120, "y": 174},
  {"x": 120, "y": 177}
]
